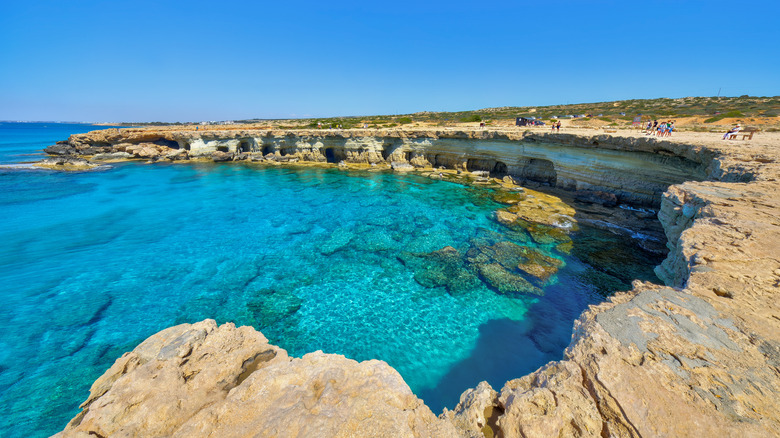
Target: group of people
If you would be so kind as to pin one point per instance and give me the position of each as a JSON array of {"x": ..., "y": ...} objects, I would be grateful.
[
  {"x": 663, "y": 129},
  {"x": 555, "y": 126}
]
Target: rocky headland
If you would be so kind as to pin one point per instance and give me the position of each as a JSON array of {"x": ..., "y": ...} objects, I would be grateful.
[{"x": 698, "y": 356}]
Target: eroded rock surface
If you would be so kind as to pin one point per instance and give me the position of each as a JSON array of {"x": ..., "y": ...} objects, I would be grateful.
[
  {"x": 604, "y": 169},
  {"x": 698, "y": 357},
  {"x": 200, "y": 380}
]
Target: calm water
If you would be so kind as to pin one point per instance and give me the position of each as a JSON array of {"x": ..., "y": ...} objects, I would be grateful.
[{"x": 93, "y": 263}]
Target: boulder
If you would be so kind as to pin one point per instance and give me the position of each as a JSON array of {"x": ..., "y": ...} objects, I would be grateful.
[
  {"x": 177, "y": 154},
  {"x": 60, "y": 149},
  {"x": 200, "y": 380},
  {"x": 401, "y": 166},
  {"x": 219, "y": 156}
]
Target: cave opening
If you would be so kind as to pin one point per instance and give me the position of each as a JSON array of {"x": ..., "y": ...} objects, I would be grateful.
[
  {"x": 167, "y": 143},
  {"x": 473, "y": 164},
  {"x": 541, "y": 171},
  {"x": 408, "y": 156},
  {"x": 244, "y": 146},
  {"x": 499, "y": 169},
  {"x": 222, "y": 148},
  {"x": 267, "y": 149},
  {"x": 330, "y": 155}
]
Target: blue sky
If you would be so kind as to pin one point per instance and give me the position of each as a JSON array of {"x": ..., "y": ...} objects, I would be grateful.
[{"x": 188, "y": 61}]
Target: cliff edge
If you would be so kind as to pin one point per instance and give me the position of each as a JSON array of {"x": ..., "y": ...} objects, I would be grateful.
[{"x": 697, "y": 357}]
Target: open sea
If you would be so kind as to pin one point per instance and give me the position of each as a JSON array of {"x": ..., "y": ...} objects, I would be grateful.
[{"x": 92, "y": 263}]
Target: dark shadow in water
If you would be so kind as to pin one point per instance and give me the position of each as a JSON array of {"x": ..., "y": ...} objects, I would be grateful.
[{"x": 508, "y": 349}]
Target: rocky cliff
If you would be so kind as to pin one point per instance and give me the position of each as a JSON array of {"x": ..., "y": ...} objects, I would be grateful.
[
  {"x": 697, "y": 357},
  {"x": 637, "y": 171}
]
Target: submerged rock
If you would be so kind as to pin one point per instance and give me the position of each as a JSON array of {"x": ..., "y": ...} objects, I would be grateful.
[
  {"x": 539, "y": 265},
  {"x": 508, "y": 197},
  {"x": 444, "y": 268},
  {"x": 515, "y": 259},
  {"x": 505, "y": 281},
  {"x": 338, "y": 240},
  {"x": 269, "y": 306}
]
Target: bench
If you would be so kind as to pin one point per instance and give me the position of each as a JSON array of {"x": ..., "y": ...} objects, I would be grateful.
[{"x": 747, "y": 134}]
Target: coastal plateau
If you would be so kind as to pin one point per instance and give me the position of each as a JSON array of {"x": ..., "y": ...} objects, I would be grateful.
[{"x": 698, "y": 356}]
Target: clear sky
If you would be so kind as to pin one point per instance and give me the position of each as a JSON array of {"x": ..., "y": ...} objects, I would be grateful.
[{"x": 194, "y": 60}]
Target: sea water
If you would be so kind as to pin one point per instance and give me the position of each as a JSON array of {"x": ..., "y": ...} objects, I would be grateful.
[{"x": 92, "y": 263}]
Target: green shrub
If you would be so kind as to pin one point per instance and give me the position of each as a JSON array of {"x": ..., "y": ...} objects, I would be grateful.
[
  {"x": 474, "y": 118},
  {"x": 719, "y": 117},
  {"x": 405, "y": 120},
  {"x": 605, "y": 119}
]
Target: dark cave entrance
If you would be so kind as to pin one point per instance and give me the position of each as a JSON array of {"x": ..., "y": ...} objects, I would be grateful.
[
  {"x": 541, "y": 171},
  {"x": 167, "y": 143},
  {"x": 244, "y": 146},
  {"x": 330, "y": 155},
  {"x": 499, "y": 169}
]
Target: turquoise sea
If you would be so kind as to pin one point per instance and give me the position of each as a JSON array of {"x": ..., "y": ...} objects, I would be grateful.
[{"x": 93, "y": 263}]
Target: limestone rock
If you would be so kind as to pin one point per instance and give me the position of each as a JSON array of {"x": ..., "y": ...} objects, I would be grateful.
[
  {"x": 111, "y": 156},
  {"x": 596, "y": 197},
  {"x": 477, "y": 412},
  {"x": 218, "y": 156},
  {"x": 550, "y": 402},
  {"x": 177, "y": 154},
  {"x": 60, "y": 149},
  {"x": 66, "y": 163},
  {"x": 401, "y": 166},
  {"x": 697, "y": 360},
  {"x": 201, "y": 380}
]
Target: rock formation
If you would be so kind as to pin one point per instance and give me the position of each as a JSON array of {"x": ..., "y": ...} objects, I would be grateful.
[
  {"x": 697, "y": 357},
  {"x": 631, "y": 170},
  {"x": 198, "y": 380}
]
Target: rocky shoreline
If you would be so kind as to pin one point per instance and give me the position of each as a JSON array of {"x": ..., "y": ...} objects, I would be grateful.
[{"x": 698, "y": 356}]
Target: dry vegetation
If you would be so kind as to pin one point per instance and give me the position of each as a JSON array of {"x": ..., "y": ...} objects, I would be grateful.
[{"x": 701, "y": 114}]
